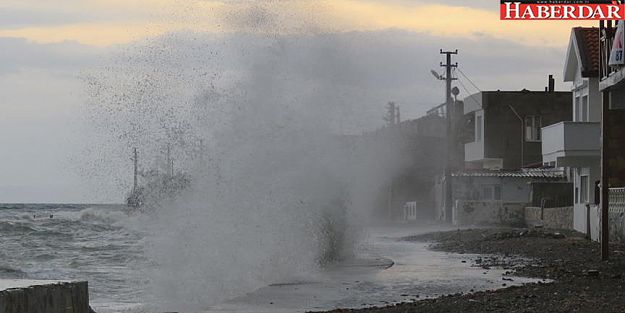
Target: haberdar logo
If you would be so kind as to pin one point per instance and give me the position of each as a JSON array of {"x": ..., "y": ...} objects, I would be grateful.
[{"x": 562, "y": 10}]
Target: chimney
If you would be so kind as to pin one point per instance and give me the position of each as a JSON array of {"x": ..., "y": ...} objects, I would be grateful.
[{"x": 552, "y": 84}]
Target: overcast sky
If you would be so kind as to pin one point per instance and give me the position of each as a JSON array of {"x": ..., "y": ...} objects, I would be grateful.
[{"x": 47, "y": 46}]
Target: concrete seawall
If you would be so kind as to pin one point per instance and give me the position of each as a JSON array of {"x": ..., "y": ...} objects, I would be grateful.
[
  {"x": 19, "y": 296},
  {"x": 557, "y": 218}
]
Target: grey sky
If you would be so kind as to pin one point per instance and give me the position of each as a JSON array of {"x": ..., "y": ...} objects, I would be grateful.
[{"x": 42, "y": 118}]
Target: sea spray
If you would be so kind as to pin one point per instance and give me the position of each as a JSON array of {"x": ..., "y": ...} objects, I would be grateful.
[{"x": 277, "y": 188}]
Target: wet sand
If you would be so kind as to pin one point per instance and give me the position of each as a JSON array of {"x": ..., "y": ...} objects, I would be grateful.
[
  {"x": 573, "y": 279},
  {"x": 417, "y": 273}
]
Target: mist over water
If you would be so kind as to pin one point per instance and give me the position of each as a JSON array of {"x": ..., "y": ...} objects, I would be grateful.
[{"x": 278, "y": 187}]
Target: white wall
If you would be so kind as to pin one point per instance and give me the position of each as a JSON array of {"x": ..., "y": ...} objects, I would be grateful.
[
  {"x": 512, "y": 189},
  {"x": 594, "y": 100},
  {"x": 552, "y": 142},
  {"x": 580, "y": 214},
  {"x": 579, "y": 220},
  {"x": 474, "y": 151}
]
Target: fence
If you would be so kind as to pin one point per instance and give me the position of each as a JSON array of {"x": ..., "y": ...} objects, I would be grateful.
[
  {"x": 616, "y": 221},
  {"x": 617, "y": 200}
]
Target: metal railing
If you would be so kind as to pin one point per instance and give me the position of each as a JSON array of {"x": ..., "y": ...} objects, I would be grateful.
[
  {"x": 607, "y": 32},
  {"x": 617, "y": 200}
]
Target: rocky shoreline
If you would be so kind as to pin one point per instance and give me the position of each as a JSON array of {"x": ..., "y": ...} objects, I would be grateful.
[{"x": 573, "y": 279}]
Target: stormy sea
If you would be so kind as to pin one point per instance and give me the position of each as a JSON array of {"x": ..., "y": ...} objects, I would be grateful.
[
  {"x": 108, "y": 246},
  {"x": 96, "y": 243}
]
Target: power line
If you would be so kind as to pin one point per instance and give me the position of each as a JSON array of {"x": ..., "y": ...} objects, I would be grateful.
[
  {"x": 469, "y": 79},
  {"x": 471, "y": 95}
]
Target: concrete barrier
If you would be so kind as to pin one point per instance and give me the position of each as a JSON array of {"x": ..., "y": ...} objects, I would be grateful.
[
  {"x": 557, "y": 218},
  {"x": 21, "y": 296},
  {"x": 488, "y": 213}
]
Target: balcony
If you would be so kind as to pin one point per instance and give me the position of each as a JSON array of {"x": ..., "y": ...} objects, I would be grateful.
[
  {"x": 474, "y": 151},
  {"x": 574, "y": 144},
  {"x": 609, "y": 76}
]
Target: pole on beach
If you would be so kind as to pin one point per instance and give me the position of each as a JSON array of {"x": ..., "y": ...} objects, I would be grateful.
[
  {"x": 605, "y": 178},
  {"x": 450, "y": 140},
  {"x": 605, "y": 172},
  {"x": 135, "y": 159}
]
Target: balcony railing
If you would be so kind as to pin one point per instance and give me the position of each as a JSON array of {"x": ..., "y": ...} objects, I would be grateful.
[
  {"x": 617, "y": 200},
  {"x": 570, "y": 140},
  {"x": 607, "y": 38}
]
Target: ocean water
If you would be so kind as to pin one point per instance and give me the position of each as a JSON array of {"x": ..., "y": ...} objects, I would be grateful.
[
  {"x": 107, "y": 246},
  {"x": 100, "y": 244}
]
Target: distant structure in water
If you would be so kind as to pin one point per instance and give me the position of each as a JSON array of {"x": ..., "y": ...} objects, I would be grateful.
[
  {"x": 159, "y": 185},
  {"x": 135, "y": 199}
]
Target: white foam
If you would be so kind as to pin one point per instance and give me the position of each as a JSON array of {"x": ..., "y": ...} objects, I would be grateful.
[{"x": 21, "y": 283}]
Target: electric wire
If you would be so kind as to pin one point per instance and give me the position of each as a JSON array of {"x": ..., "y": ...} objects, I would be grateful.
[
  {"x": 464, "y": 87},
  {"x": 469, "y": 79}
]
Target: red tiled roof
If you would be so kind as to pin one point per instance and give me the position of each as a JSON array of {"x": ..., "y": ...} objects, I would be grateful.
[{"x": 588, "y": 45}]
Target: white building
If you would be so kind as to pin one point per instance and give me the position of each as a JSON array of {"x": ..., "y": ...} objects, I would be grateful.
[{"x": 575, "y": 145}]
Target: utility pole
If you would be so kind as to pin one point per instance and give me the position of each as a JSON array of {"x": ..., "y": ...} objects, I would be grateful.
[
  {"x": 604, "y": 183},
  {"x": 398, "y": 116},
  {"x": 392, "y": 118},
  {"x": 135, "y": 159},
  {"x": 605, "y": 177},
  {"x": 450, "y": 136},
  {"x": 392, "y": 114},
  {"x": 170, "y": 162}
]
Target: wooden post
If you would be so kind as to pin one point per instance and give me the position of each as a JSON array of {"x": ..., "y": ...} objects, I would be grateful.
[
  {"x": 605, "y": 177},
  {"x": 449, "y": 136}
]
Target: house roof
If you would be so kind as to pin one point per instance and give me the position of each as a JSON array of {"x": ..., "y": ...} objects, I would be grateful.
[
  {"x": 588, "y": 46},
  {"x": 583, "y": 52},
  {"x": 524, "y": 173}
]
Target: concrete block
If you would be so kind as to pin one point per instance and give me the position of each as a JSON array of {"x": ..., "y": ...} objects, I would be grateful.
[
  {"x": 21, "y": 296},
  {"x": 555, "y": 218}
]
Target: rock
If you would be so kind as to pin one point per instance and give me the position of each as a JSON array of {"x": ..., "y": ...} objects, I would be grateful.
[
  {"x": 555, "y": 235},
  {"x": 592, "y": 273}
]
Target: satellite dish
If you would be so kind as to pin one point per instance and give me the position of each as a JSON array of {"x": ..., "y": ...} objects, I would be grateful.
[
  {"x": 436, "y": 74},
  {"x": 455, "y": 91}
]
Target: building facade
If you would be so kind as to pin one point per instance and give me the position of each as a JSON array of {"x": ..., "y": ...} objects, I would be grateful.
[
  {"x": 575, "y": 144},
  {"x": 507, "y": 126},
  {"x": 612, "y": 87}
]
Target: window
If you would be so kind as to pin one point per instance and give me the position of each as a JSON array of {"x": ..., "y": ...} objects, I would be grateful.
[
  {"x": 583, "y": 189},
  {"x": 532, "y": 128},
  {"x": 478, "y": 128},
  {"x": 491, "y": 192}
]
